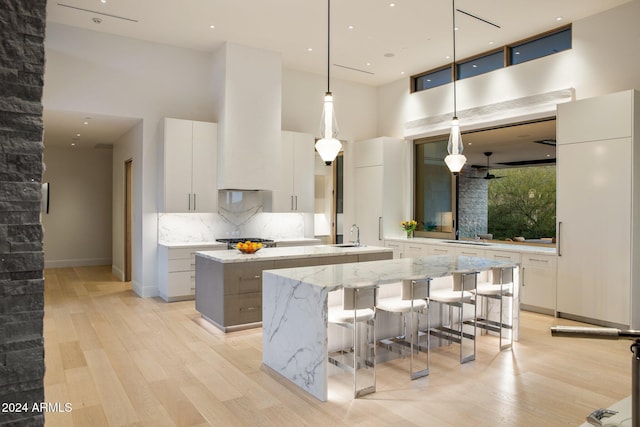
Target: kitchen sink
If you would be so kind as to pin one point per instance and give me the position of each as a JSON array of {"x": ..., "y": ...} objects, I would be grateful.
[{"x": 348, "y": 245}]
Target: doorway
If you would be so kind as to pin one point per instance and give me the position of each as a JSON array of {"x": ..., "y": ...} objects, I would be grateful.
[{"x": 128, "y": 220}]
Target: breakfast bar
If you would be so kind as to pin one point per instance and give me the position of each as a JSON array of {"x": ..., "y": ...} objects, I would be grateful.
[{"x": 295, "y": 307}]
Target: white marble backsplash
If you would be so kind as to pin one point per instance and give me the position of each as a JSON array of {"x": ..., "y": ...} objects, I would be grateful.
[{"x": 240, "y": 214}]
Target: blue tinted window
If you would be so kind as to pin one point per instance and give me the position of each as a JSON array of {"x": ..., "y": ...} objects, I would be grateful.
[
  {"x": 433, "y": 79},
  {"x": 543, "y": 46},
  {"x": 481, "y": 65}
]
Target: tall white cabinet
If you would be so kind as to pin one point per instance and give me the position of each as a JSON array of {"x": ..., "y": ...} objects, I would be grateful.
[
  {"x": 295, "y": 172},
  {"x": 380, "y": 188},
  {"x": 598, "y": 191},
  {"x": 189, "y": 166}
]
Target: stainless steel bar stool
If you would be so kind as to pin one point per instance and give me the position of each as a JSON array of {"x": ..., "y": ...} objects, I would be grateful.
[
  {"x": 411, "y": 303},
  {"x": 461, "y": 294},
  {"x": 357, "y": 313},
  {"x": 500, "y": 290}
]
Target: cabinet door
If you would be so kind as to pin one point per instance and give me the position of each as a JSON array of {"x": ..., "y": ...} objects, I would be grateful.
[
  {"x": 368, "y": 198},
  {"x": 283, "y": 193},
  {"x": 304, "y": 173},
  {"x": 415, "y": 250},
  {"x": 539, "y": 281},
  {"x": 204, "y": 174},
  {"x": 177, "y": 165},
  {"x": 594, "y": 229}
]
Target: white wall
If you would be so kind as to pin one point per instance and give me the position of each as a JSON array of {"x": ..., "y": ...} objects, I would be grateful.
[
  {"x": 77, "y": 229},
  {"x": 97, "y": 73},
  {"x": 92, "y": 72},
  {"x": 604, "y": 59}
]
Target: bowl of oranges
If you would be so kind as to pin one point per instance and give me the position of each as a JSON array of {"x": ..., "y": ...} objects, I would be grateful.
[{"x": 249, "y": 247}]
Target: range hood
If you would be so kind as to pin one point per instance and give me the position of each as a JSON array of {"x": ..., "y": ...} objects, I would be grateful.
[{"x": 248, "y": 104}]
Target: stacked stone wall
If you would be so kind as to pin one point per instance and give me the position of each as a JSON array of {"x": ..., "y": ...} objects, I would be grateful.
[{"x": 22, "y": 31}]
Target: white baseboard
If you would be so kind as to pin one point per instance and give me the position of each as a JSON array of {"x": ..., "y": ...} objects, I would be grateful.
[
  {"x": 86, "y": 262},
  {"x": 144, "y": 291},
  {"x": 117, "y": 272}
]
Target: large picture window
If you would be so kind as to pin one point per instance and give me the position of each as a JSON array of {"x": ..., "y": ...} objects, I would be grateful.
[{"x": 434, "y": 191}]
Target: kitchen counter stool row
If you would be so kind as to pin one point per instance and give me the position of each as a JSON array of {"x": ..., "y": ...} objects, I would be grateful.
[{"x": 411, "y": 303}]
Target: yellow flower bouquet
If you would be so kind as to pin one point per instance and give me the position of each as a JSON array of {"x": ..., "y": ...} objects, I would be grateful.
[{"x": 409, "y": 226}]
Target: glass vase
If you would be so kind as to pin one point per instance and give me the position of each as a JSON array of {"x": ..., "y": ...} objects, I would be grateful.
[{"x": 409, "y": 234}]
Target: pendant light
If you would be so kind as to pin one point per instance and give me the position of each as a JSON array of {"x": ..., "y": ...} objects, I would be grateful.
[
  {"x": 455, "y": 160},
  {"x": 328, "y": 147}
]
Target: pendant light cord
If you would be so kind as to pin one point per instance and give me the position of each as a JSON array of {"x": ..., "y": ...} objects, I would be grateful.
[
  {"x": 328, "y": 43},
  {"x": 453, "y": 69}
]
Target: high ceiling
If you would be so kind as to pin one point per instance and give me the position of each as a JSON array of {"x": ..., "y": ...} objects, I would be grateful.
[
  {"x": 372, "y": 42},
  {"x": 380, "y": 40}
]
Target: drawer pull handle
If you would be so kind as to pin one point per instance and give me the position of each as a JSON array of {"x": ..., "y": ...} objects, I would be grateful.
[
  {"x": 250, "y": 308},
  {"x": 502, "y": 257},
  {"x": 539, "y": 260}
]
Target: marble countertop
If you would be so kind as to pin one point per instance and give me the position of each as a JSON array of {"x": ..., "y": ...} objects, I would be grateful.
[
  {"x": 376, "y": 273},
  {"x": 479, "y": 244},
  {"x": 215, "y": 244},
  {"x": 265, "y": 254},
  {"x": 178, "y": 245}
]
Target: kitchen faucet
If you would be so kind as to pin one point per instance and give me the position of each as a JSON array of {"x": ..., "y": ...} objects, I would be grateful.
[{"x": 357, "y": 241}]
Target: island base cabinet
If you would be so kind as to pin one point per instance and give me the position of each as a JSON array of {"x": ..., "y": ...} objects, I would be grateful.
[{"x": 230, "y": 295}]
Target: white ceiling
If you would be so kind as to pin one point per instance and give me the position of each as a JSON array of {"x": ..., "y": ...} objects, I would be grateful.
[
  {"x": 386, "y": 43},
  {"x": 418, "y": 33}
]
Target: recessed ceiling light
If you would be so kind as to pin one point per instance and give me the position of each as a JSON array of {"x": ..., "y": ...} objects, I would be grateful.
[
  {"x": 402, "y": 72},
  {"x": 77, "y": 134},
  {"x": 517, "y": 53},
  {"x": 475, "y": 65},
  {"x": 212, "y": 26},
  {"x": 392, "y": 5},
  {"x": 559, "y": 18},
  {"x": 103, "y": 1},
  {"x": 491, "y": 42},
  {"x": 368, "y": 64},
  {"x": 471, "y": 143},
  {"x": 309, "y": 49},
  {"x": 85, "y": 123},
  {"x": 428, "y": 80},
  {"x": 447, "y": 57},
  {"x": 548, "y": 155},
  {"x": 73, "y": 144},
  {"x": 351, "y": 27},
  {"x": 456, "y": 28}
]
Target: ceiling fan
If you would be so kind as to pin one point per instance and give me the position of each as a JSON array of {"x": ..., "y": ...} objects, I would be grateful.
[{"x": 489, "y": 175}]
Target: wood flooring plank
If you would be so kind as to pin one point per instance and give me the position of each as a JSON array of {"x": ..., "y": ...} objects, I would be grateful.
[
  {"x": 91, "y": 416},
  {"x": 115, "y": 402}
]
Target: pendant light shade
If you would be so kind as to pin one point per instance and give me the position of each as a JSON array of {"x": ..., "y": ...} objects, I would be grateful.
[
  {"x": 328, "y": 147},
  {"x": 455, "y": 160}
]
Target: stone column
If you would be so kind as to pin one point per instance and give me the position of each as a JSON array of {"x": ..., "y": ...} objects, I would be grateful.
[{"x": 22, "y": 28}]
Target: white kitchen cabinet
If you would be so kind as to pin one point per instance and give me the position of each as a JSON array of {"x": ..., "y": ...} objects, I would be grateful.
[
  {"x": 296, "y": 171},
  {"x": 189, "y": 166},
  {"x": 177, "y": 271},
  {"x": 538, "y": 288},
  {"x": 397, "y": 247},
  {"x": 415, "y": 249},
  {"x": 379, "y": 189},
  {"x": 441, "y": 250},
  {"x": 470, "y": 250},
  {"x": 598, "y": 193}
]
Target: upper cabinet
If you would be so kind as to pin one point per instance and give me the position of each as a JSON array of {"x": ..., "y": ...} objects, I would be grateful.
[
  {"x": 295, "y": 173},
  {"x": 189, "y": 166}
]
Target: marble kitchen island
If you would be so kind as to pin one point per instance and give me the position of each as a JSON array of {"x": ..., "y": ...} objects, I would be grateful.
[
  {"x": 295, "y": 305},
  {"x": 229, "y": 283}
]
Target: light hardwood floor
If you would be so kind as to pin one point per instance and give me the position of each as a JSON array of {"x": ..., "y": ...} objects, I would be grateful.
[{"x": 121, "y": 360}]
